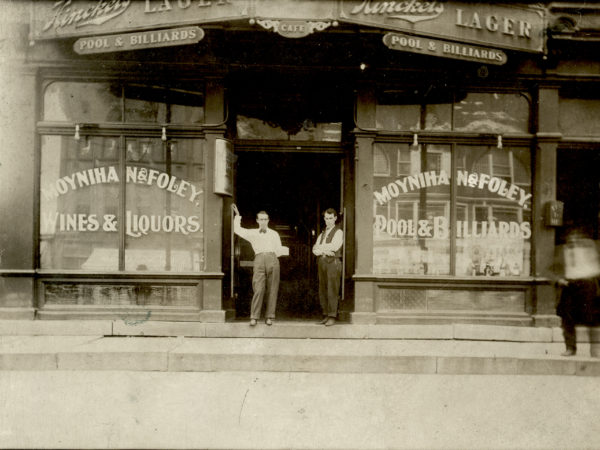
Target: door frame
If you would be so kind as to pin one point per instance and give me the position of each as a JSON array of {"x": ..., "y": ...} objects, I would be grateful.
[{"x": 343, "y": 149}]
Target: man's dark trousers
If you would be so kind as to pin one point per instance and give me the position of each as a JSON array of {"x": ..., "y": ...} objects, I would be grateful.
[
  {"x": 265, "y": 281},
  {"x": 330, "y": 272}
]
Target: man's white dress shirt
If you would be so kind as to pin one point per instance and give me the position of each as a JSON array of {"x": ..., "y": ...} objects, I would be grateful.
[{"x": 261, "y": 242}]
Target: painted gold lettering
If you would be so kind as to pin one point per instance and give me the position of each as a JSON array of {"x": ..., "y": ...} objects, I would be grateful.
[
  {"x": 523, "y": 197},
  {"x": 525, "y": 29},
  {"x": 459, "y": 18},
  {"x": 508, "y": 26},
  {"x": 166, "y": 6},
  {"x": 148, "y": 9},
  {"x": 413, "y": 7},
  {"x": 402, "y": 184},
  {"x": 512, "y": 192},
  {"x": 491, "y": 23},
  {"x": 475, "y": 21}
]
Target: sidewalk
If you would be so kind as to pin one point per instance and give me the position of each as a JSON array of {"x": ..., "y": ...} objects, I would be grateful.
[
  {"x": 290, "y": 347},
  {"x": 279, "y": 410}
]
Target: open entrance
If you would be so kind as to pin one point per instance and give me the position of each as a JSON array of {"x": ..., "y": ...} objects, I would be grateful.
[
  {"x": 578, "y": 186},
  {"x": 294, "y": 188}
]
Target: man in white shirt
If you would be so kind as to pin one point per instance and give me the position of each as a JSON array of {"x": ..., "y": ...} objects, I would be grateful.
[
  {"x": 266, "y": 244},
  {"x": 328, "y": 250}
]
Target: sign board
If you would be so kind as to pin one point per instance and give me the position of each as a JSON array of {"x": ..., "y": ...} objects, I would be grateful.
[
  {"x": 500, "y": 25},
  {"x": 224, "y": 159},
  {"x": 293, "y": 28},
  {"x": 445, "y": 49},
  {"x": 70, "y": 18},
  {"x": 138, "y": 41},
  {"x": 518, "y": 27}
]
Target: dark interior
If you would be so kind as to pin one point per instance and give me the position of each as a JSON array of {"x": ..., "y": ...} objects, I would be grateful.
[
  {"x": 578, "y": 187},
  {"x": 294, "y": 188}
]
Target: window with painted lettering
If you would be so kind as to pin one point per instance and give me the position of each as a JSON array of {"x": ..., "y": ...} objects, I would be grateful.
[
  {"x": 83, "y": 185},
  {"x": 79, "y": 203},
  {"x": 119, "y": 190},
  {"x": 493, "y": 233},
  {"x": 164, "y": 204},
  {"x": 483, "y": 229},
  {"x": 412, "y": 211}
]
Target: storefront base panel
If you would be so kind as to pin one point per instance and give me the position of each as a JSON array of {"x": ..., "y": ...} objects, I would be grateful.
[
  {"x": 16, "y": 291},
  {"x": 442, "y": 318},
  {"x": 17, "y": 313},
  {"x": 439, "y": 318},
  {"x": 443, "y": 301},
  {"x": 131, "y": 299},
  {"x": 132, "y": 316},
  {"x": 390, "y": 299},
  {"x": 546, "y": 320},
  {"x": 119, "y": 294}
]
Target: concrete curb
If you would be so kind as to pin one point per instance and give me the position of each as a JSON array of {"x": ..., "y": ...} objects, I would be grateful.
[
  {"x": 292, "y": 355},
  {"x": 285, "y": 330},
  {"x": 181, "y": 362}
]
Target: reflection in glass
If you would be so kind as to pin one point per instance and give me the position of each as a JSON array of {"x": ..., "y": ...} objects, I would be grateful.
[
  {"x": 412, "y": 110},
  {"x": 164, "y": 205},
  {"x": 255, "y": 128},
  {"x": 99, "y": 102},
  {"x": 494, "y": 218},
  {"x": 138, "y": 110},
  {"x": 579, "y": 117},
  {"x": 492, "y": 113},
  {"x": 158, "y": 104},
  {"x": 434, "y": 110},
  {"x": 411, "y": 229},
  {"x": 79, "y": 102},
  {"x": 79, "y": 203},
  {"x": 398, "y": 117},
  {"x": 141, "y": 294}
]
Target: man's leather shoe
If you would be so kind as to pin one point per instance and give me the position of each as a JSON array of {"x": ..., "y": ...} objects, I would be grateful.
[
  {"x": 330, "y": 321},
  {"x": 252, "y": 322},
  {"x": 323, "y": 320},
  {"x": 269, "y": 322},
  {"x": 568, "y": 352}
]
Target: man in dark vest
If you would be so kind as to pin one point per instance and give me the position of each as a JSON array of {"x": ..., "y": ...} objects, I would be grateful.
[{"x": 328, "y": 250}]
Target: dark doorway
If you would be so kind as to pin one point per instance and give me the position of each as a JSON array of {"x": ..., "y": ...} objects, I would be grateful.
[
  {"x": 578, "y": 184},
  {"x": 294, "y": 188}
]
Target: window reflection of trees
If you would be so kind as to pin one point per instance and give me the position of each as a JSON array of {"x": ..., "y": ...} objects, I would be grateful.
[
  {"x": 441, "y": 109},
  {"x": 110, "y": 102}
]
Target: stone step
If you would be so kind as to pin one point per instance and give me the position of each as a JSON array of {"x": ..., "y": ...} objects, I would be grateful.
[
  {"x": 186, "y": 354},
  {"x": 284, "y": 330}
]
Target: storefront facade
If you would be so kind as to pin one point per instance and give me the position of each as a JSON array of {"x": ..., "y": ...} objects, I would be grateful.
[{"x": 457, "y": 141}]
